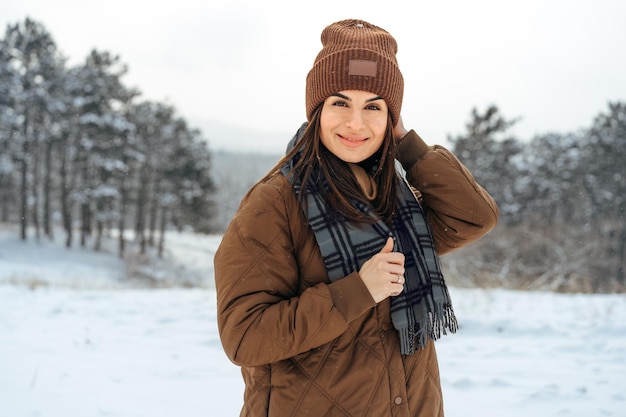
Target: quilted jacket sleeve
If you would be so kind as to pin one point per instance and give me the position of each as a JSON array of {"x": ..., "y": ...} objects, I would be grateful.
[
  {"x": 264, "y": 314},
  {"x": 458, "y": 209}
]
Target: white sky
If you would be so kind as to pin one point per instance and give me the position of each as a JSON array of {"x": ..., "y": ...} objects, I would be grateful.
[{"x": 555, "y": 63}]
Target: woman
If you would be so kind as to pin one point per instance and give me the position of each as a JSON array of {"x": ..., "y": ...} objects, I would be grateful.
[{"x": 329, "y": 289}]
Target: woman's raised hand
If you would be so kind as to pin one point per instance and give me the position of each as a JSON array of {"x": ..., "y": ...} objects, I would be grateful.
[{"x": 399, "y": 131}]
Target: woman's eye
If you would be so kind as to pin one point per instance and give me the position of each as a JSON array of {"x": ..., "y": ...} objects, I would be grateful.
[
  {"x": 373, "y": 107},
  {"x": 340, "y": 103}
]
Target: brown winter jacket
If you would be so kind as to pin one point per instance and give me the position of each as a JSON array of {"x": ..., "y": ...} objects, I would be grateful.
[{"x": 309, "y": 347}]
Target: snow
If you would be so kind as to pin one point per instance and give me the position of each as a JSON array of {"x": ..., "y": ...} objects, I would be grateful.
[{"x": 77, "y": 339}]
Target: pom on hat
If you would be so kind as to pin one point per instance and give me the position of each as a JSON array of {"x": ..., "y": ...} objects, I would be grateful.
[{"x": 356, "y": 55}]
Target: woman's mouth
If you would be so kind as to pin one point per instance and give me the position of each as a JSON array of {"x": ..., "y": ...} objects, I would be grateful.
[{"x": 352, "y": 140}]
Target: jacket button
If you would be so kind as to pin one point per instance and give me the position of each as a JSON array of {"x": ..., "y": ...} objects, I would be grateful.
[{"x": 398, "y": 400}]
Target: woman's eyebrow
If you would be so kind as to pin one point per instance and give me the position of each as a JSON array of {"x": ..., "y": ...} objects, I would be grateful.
[
  {"x": 349, "y": 99},
  {"x": 341, "y": 96}
]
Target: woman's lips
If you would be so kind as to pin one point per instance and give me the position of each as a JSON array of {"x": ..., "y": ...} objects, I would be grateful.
[{"x": 352, "y": 141}]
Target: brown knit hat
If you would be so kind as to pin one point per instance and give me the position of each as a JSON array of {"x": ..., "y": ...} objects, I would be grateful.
[{"x": 356, "y": 55}]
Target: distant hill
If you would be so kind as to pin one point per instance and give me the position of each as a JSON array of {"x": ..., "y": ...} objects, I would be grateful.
[
  {"x": 234, "y": 173},
  {"x": 245, "y": 139},
  {"x": 241, "y": 155}
]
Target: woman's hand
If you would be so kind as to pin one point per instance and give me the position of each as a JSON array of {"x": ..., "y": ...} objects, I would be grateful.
[
  {"x": 383, "y": 273},
  {"x": 399, "y": 131}
]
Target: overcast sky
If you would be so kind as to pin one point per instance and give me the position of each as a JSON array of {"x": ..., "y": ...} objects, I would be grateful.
[{"x": 554, "y": 63}]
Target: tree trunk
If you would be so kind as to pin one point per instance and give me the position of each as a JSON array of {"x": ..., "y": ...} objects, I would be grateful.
[
  {"x": 621, "y": 256},
  {"x": 5, "y": 187},
  {"x": 24, "y": 182},
  {"x": 154, "y": 208},
  {"x": 7, "y": 184},
  {"x": 24, "y": 194},
  {"x": 98, "y": 241},
  {"x": 47, "y": 189},
  {"x": 142, "y": 201},
  {"x": 85, "y": 210},
  {"x": 66, "y": 210},
  {"x": 35, "y": 154},
  {"x": 123, "y": 210},
  {"x": 162, "y": 231}
]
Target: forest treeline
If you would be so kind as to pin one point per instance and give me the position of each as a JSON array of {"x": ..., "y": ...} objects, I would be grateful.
[
  {"x": 561, "y": 198},
  {"x": 80, "y": 150}
]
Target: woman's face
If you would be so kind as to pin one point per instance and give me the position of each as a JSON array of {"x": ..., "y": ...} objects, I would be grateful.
[{"x": 353, "y": 124}]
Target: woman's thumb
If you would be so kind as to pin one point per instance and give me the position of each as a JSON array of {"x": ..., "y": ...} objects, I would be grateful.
[{"x": 388, "y": 246}]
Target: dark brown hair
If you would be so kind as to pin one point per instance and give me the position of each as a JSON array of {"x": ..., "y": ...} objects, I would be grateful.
[{"x": 315, "y": 159}]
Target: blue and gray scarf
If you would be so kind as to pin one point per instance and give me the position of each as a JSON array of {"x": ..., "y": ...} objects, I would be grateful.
[{"x": 423, "y": 310}]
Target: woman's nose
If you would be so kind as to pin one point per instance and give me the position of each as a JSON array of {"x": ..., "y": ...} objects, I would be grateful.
[{"x": 355, "y": 119}]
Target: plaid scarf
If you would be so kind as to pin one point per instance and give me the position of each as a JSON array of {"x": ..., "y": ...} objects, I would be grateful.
[{"x": 423, "y": 310}]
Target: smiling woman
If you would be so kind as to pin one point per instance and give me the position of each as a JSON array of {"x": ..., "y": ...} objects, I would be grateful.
[{"x": 329, "y": 289}]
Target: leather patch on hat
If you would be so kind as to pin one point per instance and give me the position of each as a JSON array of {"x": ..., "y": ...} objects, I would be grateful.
[{"x": 362, "y": 67}]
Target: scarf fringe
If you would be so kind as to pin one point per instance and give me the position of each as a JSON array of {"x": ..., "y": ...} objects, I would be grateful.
[{"x": 413, "y": 338}]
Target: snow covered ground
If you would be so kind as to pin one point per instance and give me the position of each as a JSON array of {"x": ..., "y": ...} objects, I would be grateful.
[{"x": 76, "y": 340}]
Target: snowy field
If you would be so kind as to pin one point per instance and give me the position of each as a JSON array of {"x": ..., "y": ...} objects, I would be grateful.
[{"x": 78, "y": 341}]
